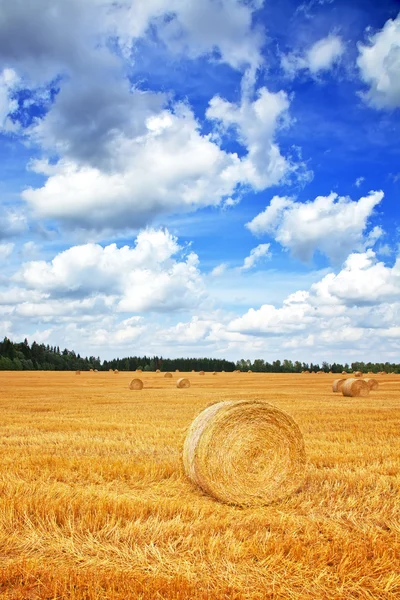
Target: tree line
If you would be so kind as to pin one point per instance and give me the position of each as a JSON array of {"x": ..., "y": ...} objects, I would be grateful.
[{"x": 22, "y": 356}]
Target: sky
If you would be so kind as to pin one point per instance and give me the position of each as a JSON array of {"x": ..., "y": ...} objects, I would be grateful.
[{"x": 217, "y": 178}]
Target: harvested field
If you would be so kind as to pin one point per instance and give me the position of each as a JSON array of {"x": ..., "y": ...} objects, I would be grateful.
[{"x": 94, "y": 502}]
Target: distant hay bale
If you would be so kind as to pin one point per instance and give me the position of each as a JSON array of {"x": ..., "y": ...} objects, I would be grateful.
[
  {"x": 383, "y": 373},
  {"x": 222, "y": 371},
  {"x": 139, "y": 371},
  {"x": 344, "y": 372},
  {"x": 176, "y": 370},
  {"x": 244, "y": 452},
  {"x": 167, "y": 374},
  {"x": 96, "y": 371},
  {"x": 136, "y": 384},
  {"x": 214, "y": 372},
  {"x": 201, "y": 373},
  {"x": 372, "y": 384},
  {"x": 91, "y": 370},
  {"x": 193, "y": 371},
  {"x": 110, "y": 371},
  {"x": 183, "y": 383},
  {"x": 355, "y": 387},
  {"x": 357, "y": 374},
  {"x": 157, "y": 370},
  {"x": 319, "y": 372},
  {"x": 116, "y": 372},
  {"x": 337, "y": 385},
  {"x": 77, "y": 372},
  {"x": 306, "y": 372},
  {"x": 249, "y": 371}
]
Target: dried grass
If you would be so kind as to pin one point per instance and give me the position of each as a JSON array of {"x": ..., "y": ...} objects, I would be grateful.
[
  {"x": 201, "y": 373},
  {"x": 77, "y": 372},
  {"x": 168, "y": 375},
  {"x": 245, "y": 452},
  {"x": 355, "y": 387}
]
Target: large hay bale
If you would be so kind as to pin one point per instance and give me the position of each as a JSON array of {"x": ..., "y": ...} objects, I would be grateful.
[
  {"x": 244, "y": 452},
  {"x": 201, "y": 372},
  {"x": 372, "y": 384},
  {"x": 183, "y": 383},
  {"x": 355, "y": 387},
  {"x": 357, "y": 374},
  {"x": 337, "y": 385},
  {"x": 167, "y": 374},
  {"x": 136, "y": 384}
]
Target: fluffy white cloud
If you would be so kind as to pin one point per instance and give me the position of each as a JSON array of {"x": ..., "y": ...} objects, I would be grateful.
[
  {"x": 256, "y": 254},
  {"x": 219, "y": 270},
  {"x": 223, "y": 29},
  {"x": 322, "y": 56},
  {"x": 379, "y": 64},
  {"x": 255, "y": 124},
  {"x": 331, "y": 224},
  {"x": 143, "y": 278},
  {"x": 356, "y": 308},
  {"x": 170, "y": 167}
]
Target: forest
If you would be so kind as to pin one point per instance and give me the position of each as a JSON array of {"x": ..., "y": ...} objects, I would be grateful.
[{"x": 22, "y": 356}]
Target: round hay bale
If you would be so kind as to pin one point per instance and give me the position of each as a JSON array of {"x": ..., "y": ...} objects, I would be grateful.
[
  {"x": 167, "y": 374},
  {"x": 201, "y": 373},
  {"x": 214, "y": 372},
  {"x": 306, "y": 372},
  {"x": 136, "y": 384},
  {"x": 77, "y": 372},
  {"x": 91, "y": 370},
  {"x": 244, "y": 452},
  {"x": 355, "y": 387},
  {"x": 357, "y": 374},
  {"x": 344, "y": 372},
  {"x": 249, "y": 371},
  {"x": 157, "y": 370},
  {"x": 183, "y": 383},
  {"x": 372, "y": 384},
  {"x": 110, "y": 371},
  {"x": 96, "y": 371},
  {"x": 176, "y": 370},
  {"x": 139, "y": 371},
  {"x": 337, "y": 385},
  {"x": 116, "y": 372},
  {"x": 193, "y": 371}
]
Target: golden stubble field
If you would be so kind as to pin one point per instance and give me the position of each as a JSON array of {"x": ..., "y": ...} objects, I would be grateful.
[{"x": 94, "y": 503}]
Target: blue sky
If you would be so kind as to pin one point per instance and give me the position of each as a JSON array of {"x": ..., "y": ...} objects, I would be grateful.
[{"x": 218, "y": 178}]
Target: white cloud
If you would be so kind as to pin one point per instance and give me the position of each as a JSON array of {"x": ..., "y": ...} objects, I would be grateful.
[
  {"x": 359, "y": 181},
  {"x": 223, "y": 29},
  {"x": 6, "y": 250},
  {"x": 331, "y": 224},
  {"x": 379, "y": 64},
  {"x": 170, "y": 167},
  {"x": 145, "y": 277},
  {"x": 13, "y": 222},
  {"x": 324, "y": 53},
  {"x": 9, "y": 82},
  {"x": 219, "y": 270},
  {"x": 256, "y": 254},
  {"x": 321, "y": 56},
  {"x": 255, "y": 124}
]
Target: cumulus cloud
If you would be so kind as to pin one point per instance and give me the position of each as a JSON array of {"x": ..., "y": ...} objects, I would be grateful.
[
  {"x": 333, "y": 225},
  {"x": 134, "y": 279},
  {"x": 320, "y": 57},
  {"x": 379, "y": 64},
  {"x": 222, "y": 29},
  {"x": 255, "y": 124},
  {"x": 172, "y": 167},
  {"x": 359, "y": 304},
  {"x": 256, "y": 255}
]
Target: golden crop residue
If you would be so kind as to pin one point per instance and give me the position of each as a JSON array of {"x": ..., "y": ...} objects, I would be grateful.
[{"x": 94, "y": 502}]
